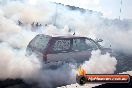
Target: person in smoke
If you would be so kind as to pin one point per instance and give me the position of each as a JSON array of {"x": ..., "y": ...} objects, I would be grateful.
[
  {"x": 37, "y": 24},
  {"x": 32, "y": 24},
  {"x": 19, "y": 23},
  {"x": 36, "y": 27},
  {"x": 46, "y": 25}
]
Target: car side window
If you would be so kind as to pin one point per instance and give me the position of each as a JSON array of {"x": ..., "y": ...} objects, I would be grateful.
[
  {"x": 83, "y": 44},
  {"x": 61, "y": 45},
  {"x": 91, "y": 44},
  {"x": 79, "y": 44}
]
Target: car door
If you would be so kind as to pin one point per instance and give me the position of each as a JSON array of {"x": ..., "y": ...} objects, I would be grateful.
[
  {"x": 59, "y": 50},
  {"x": 82, "y": 48}
]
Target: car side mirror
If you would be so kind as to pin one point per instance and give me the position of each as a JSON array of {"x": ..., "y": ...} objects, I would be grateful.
[{"x": 99, "y": 40}]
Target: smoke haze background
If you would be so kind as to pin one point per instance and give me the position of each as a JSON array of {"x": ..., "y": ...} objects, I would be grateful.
[{"x": 15, "y": 38}]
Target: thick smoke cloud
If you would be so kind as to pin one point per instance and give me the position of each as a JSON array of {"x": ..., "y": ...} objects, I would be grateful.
[
  {"x": 100, "y": 64},
  {"x": 12, "y": 34},
  {"x": 13, "y": 42},
  {"x": 14, "y": 39},
  {"x": 14, "y": 64},
  {"x": 27, "y": 13},
  {"x": 51, "y": 78}
]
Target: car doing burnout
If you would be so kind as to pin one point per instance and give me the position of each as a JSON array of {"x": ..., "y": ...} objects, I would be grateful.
[{"x": 63, "y": 48}]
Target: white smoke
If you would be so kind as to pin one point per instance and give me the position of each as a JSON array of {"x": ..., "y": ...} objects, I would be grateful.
[
  {"x": 26, "y": 13},
  {"x": 83, "y": 4},
  {"x": 13, "y": 34},
  {"x": 14, "y": 63},
  {"x": 120, "y": 39},
  {"x": 100, "y": 64},
  {"x": 14, "y": 39},
  {"x": 53, "y": 30},
  {"x": 51, "y": 78}
]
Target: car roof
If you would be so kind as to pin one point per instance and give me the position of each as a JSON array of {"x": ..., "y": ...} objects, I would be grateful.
[
  {"x": 67, "y": 36},
  {"x": 64, "y": 36}
]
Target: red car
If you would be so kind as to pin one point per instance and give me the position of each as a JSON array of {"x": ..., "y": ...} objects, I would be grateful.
[{"x": 63, "y": 48}]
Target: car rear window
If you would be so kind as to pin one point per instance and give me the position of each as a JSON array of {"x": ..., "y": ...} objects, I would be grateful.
[{"x": 40, "y": 42}]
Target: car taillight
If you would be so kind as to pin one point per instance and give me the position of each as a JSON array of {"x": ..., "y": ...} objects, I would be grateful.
[{"x": 45, "y": 57}]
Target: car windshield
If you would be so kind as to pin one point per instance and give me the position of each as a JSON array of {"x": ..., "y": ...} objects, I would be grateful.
[{"x": 40, "y": 42}]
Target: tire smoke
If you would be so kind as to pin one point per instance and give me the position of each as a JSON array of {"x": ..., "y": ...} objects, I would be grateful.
[{"x": 17, "y": 29}]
